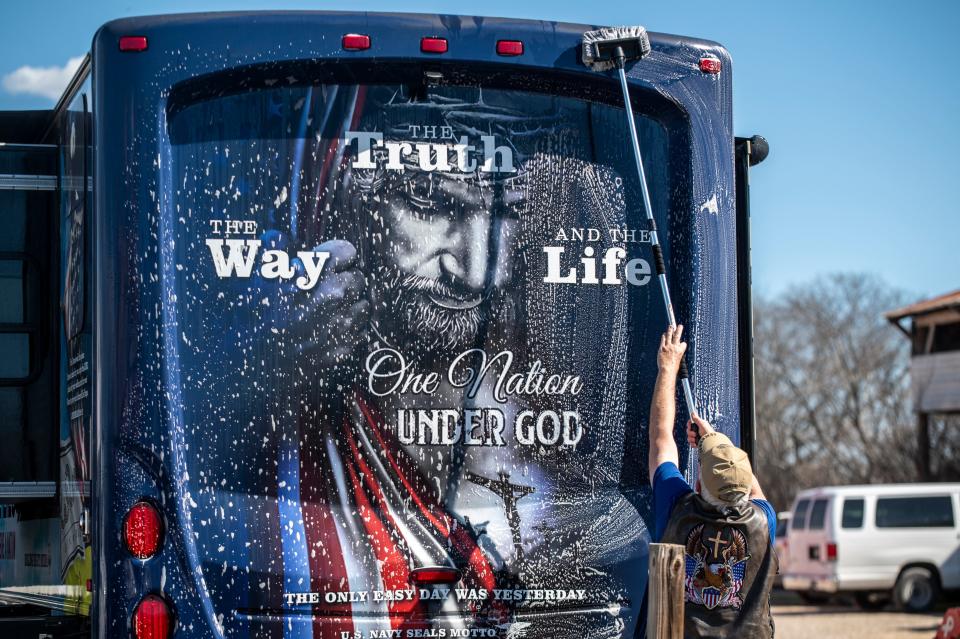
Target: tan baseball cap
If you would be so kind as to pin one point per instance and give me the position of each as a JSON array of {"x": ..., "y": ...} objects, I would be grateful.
[{"x": 724, "y": 469}]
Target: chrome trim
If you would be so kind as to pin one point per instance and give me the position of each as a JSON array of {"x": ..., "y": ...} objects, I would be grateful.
[{"x": 17, "y": 182}]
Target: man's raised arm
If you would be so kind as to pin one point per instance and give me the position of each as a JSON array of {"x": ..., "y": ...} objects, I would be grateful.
[{"x": 663, "y": 407}]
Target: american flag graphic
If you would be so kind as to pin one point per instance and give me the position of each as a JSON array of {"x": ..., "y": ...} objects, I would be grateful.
[{"x": 712, "y": 597}]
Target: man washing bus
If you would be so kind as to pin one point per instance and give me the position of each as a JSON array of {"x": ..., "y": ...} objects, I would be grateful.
[{"x": 726, "y": 525}]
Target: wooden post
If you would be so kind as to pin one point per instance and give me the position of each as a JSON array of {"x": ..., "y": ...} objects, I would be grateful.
[
  {"x": 923, "y": 447},
  {"x": 665, "y": 592}
]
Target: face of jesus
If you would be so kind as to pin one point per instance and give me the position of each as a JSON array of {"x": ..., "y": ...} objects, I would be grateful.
[{"x": 444, "y": 258}]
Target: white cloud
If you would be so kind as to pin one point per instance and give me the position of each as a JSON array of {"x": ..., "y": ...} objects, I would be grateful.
[{"x": 48, "y": 82}]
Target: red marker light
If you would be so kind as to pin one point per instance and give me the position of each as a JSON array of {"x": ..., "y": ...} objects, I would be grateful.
[
  {"x": 133, "y": 43},
  {"x": 152, "y": 619},
  {"x": 433, "y": 45},
  {"x": 509, "y": 47},
  {"x": 434, "y": 575},
  {"x": 142, "y": 530},
  {"x": 710, "y": 64},
  {"x": 356, "y": 42}
]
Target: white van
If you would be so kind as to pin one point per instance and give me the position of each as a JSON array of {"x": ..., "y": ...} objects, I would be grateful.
[
  {"x": 875, "y": 541},
  {"x": 781, "y": 545}
]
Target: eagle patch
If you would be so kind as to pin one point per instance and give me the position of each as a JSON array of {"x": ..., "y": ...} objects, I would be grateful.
[{"x": 716, "y": 562}]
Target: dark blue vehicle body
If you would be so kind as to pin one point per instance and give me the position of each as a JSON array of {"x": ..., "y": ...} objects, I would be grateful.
[{"x": 219, "y": 572}]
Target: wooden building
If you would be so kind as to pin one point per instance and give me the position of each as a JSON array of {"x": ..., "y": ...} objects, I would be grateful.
[{"x": 933, "y": 327}]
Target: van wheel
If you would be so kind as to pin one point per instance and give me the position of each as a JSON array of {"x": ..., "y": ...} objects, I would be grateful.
[
  {"x": 870, "y": 600},
  {"x": 916, "y": 590}
]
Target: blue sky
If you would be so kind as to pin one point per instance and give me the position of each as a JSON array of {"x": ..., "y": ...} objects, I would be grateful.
[{"x": 860, "y": 102}]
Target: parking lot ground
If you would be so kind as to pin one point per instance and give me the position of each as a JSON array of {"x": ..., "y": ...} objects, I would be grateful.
[{"x": 795, "y": 620}]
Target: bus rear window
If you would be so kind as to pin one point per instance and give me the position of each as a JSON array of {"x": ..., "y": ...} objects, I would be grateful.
[
  {"x": 414, "y": 302},
  {"x": 915, "y": 512}
]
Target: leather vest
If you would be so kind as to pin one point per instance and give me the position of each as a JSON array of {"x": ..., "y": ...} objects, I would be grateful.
[{"x": 730, "y": 567}]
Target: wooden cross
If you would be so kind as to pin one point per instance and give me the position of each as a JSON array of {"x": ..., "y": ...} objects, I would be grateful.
[{"x": 717, "y": 542}]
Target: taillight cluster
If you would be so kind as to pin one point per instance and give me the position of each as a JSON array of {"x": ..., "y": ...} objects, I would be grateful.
[
  {"x": 143, "y": 530},
  {"x": 143, "y": 536},
  {"x": 152, "y": 618},
  {"x": 831, "y": 551}
]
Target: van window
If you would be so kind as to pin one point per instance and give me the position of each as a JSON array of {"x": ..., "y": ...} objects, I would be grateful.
[
  {"x": 915, "y": 512},
  {"x": 852, "y": 516},
  {"x": 818, "y": 514},
  {"x": 799, "y": 519}
]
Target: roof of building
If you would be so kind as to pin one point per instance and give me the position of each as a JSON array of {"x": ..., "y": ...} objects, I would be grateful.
[{"x": 947, "y": 300}]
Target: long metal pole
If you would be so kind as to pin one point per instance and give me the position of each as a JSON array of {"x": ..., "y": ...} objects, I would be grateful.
[{"x": 654, "y": 239}]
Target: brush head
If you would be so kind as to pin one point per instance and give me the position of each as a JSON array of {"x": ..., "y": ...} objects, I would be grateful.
[{"x": 599, "y": 48}]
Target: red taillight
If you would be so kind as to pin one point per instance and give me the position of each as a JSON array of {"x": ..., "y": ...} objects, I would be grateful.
[
  {"x": 133, "y": 43},
  {"x": 710, "y": 64},
  {"x": 831, "y": 551},
  {"x": 434, "y": 575},
  {"x": 433, "y": 45},
  {"x": 152, "y": 619},
  {"x": 356, "y": 42},
  {"x": 509, "y": 47},
  {"x": 142, "y": 530}
]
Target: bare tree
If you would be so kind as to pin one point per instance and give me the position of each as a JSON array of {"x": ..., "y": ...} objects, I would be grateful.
[
  {"x": 944, "y": 447},
  {"x": 833, "y": 403}
]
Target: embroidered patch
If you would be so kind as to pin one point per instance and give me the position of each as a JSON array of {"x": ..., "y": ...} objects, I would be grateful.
[{"x": 716, "y": 561}]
